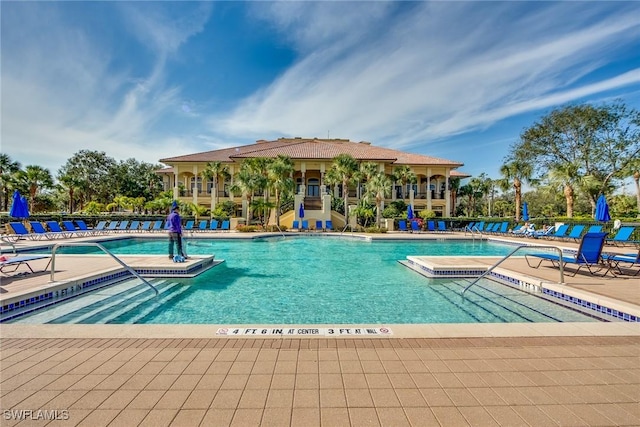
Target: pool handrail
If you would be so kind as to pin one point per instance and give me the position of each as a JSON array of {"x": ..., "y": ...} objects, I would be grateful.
[
  {"x": 55, "y": 247},
  {"x": 490, "y": 269}
]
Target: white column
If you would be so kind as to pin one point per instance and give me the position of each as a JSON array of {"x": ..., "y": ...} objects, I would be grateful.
[
  {"x": 429, "y": 188},
  {"x": 447, "y": 193}
]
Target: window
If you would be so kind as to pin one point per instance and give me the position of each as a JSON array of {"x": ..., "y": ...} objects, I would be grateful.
[{"x": 313, "y": 187}]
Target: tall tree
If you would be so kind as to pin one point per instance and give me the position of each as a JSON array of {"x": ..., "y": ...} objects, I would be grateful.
[
  {"x": 595, "y": 143},
  {"x": 405, "y": 175},
  {"x": 8, "y": 170},
  {"x": 35, "y": 178},
  {"x": 94, "y": 170},
  {"x": 213, "y": 171},
  {"x": 516, "y": 171},
  {"x": 344, "y": 168},
  {"x": 379, "y": 185},
  {"x": 281, "y": 180}
]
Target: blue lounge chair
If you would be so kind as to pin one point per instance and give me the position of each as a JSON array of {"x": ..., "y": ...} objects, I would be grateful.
[
  {"x": 113, "y": 226},
  {"x": 83, "y": 227},
  {"x": 431, "y": 226},
  {"x": 189, "y": 225},
  {"x": 20, "y": 231},
  {"x": 16, "y": 261},
  {"x": 54, "y": 227},
  {"x": 71, "y": 228},
  {"x": 415, "y": 226},
  {"x": 615, "y": 260},
  {"x": 101, "y": 227},
  {"x": 38, "y": 229},
  {"x": 519, "y": 230},
  {"x": 479, "y": 226},
  {"x": 576, "y": 232},
  {"x": 622, "y": 236},
  {"x": 145, "y": 226},
  {"x": 328, "y": 225},
  {"x": 123, "y": 226},
  {"x": 203, "y": 225},
  {"x": 318, "y": 225},
  {"x": 134, "y": 226},
  {"x": 295, "y": 225},
  {"x": 469, "y": 227},
  {"x": 214, "y": 225},
  {"x": 157, "y": 226},
  {"x": 305, "y": 225},
  {"x": 595, "y": 229},
  {"x": 543, "y": 233},
  {"x": 504, "y": 227},
  {"x": 442, "y": 227},
  {"x": 402, "y": 225},
  {"x": 589, "y": 255},
  {"x": 225, "y": 225},
  {"x": 559, "y": 233}
]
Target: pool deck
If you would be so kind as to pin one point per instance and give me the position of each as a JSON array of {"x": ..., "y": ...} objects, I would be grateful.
[{"x": 452, "y": 374}]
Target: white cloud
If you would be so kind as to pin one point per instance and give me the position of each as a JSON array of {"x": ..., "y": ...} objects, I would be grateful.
[{"x": 436, "y": 70}]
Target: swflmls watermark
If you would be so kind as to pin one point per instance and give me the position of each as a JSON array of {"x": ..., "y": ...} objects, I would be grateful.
[{"x": 35, "y": 414}]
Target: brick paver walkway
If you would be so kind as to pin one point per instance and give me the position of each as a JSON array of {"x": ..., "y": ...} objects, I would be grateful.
[{"x": 537, "y": 381}]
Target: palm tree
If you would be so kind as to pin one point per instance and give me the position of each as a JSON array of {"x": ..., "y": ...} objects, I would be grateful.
[
  {"x": 280, "y": 180},
  {"x": 247, "y": 182},
  {"x": 454, "y": 186},
  {"x": 70, "y": 184},
  {"x": 564, "y": 175},
  {"x": 35, "y": 178},
  {"x": 344, "y": 168},
  {"x": 516, "y": 171},
  {"x": 8, "y": 170},
  {"x": 405, "y": 175},
  {"x": 212, "y": 172},
  {"x": 366, "y": 171},
  {"x": 379, "y": 185}
]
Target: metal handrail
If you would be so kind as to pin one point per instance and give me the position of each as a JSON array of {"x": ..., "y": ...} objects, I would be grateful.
[
  {"x": 490, "y": 269},
  {"x": 55, "y": 247},
  {"x": 471, "y": 230}
]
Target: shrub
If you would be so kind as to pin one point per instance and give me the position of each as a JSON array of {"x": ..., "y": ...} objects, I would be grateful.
[{"x": 375, "y": 230}]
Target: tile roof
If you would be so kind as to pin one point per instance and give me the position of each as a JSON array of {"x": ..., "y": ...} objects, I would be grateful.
[{"x": 306, "y": 148}]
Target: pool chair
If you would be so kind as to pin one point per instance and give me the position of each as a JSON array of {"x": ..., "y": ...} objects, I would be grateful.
[
  {"x": 101, "y": 227},
  {"x": 504, "y": 227},
  {"x": 305, "y": 225},
  {"x": 519, "y": 230},
  {"x": 38, "y": 228},
  {"x": 123, "y": 226},
  {"x": 442, "y": 227},
  {"x": 18, "y": 231},
  {"x": 203, "y": 225},
  {"x": 134, "y": 226},
  {"x": 576, "y": 232},
  {"x": 543, "y": 233},
  {"x": 622, "y": 236},
  {"x": 415, "y": 227},
  {"x": 589, "y": 255},
  {"x": 319, "y": 225},
  {"x": 402, "y": 225},
  {"x": 559, "y": 233},
  {"x": 71, "y": 228},
  {"x": 479, "y": 226},
  {"x": 157, "y": 226},
  {"x": 11, "y": 264},
  {"x": 225, "y": 225},
  {"x": 54, "y": 227},
  {"x": 214, "y": 225},
  {"x": 431, "y": 226},
  {"x": 328, "y": 225},
  {"x": 595, "y": 229},
  {"x": 113, "y": 226},
  {"x": 469, "y": 227},
  {"x": 615, "y": 260},
  {"x": 189, "y": 225},
  {"x": 295, "y": 225},
  {"x": 145, "y": 227},
  {"x": 83, "y": 227}
]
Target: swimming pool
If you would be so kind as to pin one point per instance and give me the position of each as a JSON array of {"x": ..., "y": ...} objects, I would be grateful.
[{"x": 320, "y": 281}]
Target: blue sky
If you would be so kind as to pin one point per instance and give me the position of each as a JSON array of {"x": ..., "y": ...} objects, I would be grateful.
[{"x": 458, "y": 80}]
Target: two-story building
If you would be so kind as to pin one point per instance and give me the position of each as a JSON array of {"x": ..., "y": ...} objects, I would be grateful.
[{"x": 312, "y": 158}]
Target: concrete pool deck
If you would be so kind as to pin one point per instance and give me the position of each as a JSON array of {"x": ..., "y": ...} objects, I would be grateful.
[{"x": 487, "y": 374}]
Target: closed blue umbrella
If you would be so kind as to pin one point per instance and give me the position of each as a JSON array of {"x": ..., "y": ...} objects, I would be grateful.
[
  {"x": 409, "y": 212},
  {"x": 18, "y": 209},
  {"x": 26, "y": 205},
  {"x": 525, "y": 211},
  {"x": 602, "y": 209},
  {"x": 301, "y": 211}
]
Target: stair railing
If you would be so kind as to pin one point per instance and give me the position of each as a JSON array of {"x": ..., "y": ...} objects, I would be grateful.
[
  {"x": 55, "y": 247},
  {"x": 490, "y": 269}
]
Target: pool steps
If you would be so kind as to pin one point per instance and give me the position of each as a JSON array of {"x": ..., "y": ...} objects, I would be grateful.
[{"x": 106, "y": 304}]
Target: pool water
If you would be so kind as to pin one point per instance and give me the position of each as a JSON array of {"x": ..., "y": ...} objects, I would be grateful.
[{"x": 331, "y": 281}]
